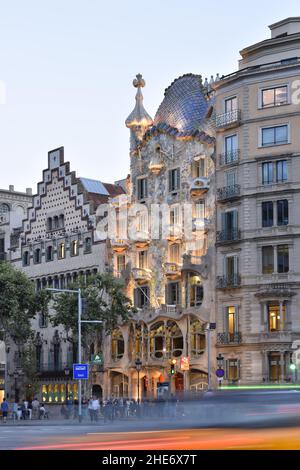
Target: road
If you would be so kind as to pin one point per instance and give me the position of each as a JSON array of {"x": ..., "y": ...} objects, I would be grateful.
[{"x": 256, "y": 421}]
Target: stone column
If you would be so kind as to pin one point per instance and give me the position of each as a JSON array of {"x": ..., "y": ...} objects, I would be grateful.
[
  {"x": 186, "y": 380},
  {"x": 265, "y": 368},
  {"x": 282, "y": 354}
]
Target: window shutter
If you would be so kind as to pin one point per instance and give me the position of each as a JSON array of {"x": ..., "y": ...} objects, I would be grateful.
[
  {"x": 235, "y": 219},
  {"x": 135, "y": 298},
  {"x": 170, "y": 180},
  {"x": 177, "y": 178},
  {"x": 223, "y": 221},
  {"x": 226, "y": 369}
]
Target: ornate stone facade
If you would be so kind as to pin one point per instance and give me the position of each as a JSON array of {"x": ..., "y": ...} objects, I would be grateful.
[
  {"x": 58, "y": 244},
  {"x": 169, "y": 272}
]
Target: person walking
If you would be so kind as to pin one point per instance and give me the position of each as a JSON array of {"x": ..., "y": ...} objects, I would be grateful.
[
  {"x": 35, "y": 408},
  {"x": 90, "y": 408},
  {"x": 4, "y": 409}
]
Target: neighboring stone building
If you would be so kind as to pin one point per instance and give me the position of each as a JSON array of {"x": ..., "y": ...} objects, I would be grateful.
[
  {"x": 58, "y": 244},
  {"x": 13, "y": 206},
  {"x": 258, "y": 209},
  {"x": 169, "y": 276}
]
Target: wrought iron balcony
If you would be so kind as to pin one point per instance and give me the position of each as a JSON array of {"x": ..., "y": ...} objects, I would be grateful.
[
  {"x": 228, "y": 282},
  {"x": 54, "y": 369},
  {"x": 230, "y": 158},
  {"x": 228, "y": 192},
  {"x": 229, "y": 119},
  {"x": 229, "y": 338},
  {"x": 227, "y": 236}
]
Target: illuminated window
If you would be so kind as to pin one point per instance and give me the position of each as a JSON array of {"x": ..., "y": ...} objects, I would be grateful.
[
  {"x": 276, "y": 317},
  {"x": 117, "y": 345},
  {"x": 197, "y": 338},
  {"x": 61, "y": 250},
  {"x": 74, "y": 248}
]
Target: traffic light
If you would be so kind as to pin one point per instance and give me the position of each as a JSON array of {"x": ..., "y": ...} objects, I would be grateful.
[{"x": 173, "y": 364}]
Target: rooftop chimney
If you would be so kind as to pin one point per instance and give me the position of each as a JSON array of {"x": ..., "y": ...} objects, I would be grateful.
[{"x": 11, "y": 188}]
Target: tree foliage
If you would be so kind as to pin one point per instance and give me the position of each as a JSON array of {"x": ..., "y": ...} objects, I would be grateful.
[
  {"x": 103, "y": 299},
  {"x": 18, "y": 303}
]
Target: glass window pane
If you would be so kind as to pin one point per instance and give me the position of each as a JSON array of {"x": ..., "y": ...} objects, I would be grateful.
[
  {"x": 281, "y": 134},
  {"x": 267, "y": 98},
  {"x": 283, "y": 258},
  {"x": 268, "y": 136},
  {"x": 267, "y": 260},
  {"x": 281, "y": 95}
]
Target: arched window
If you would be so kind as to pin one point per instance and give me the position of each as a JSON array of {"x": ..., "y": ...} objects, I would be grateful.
[
  {"x": 157, "y": 340},
  {"x": 117, "y": 345},
  {"x": 37, "y": 255},
  {"x": 174, "y": 339},
  {"x": 197, "y": 338},
  {"x": 56, "y": 222},
  {"x": 26, "y": 258},
  {"x": 61, "y": 250},
  {"x": 49, "y": 223},
  {"x": 49, "y": 253},
  {"x": 74, "y": 248},
  {"x": 196, "y": 291},
  {"x": 4, "y": 211},
  {"x": 88, "y": 245}
]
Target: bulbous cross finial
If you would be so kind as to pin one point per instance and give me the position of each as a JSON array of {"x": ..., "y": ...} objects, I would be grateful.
[{"x": 139, "y": 82}]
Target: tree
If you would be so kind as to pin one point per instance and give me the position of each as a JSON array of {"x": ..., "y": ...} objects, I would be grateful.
[
  {"x": 103, "y": 299},
  {"x": 18, "y": 304}
]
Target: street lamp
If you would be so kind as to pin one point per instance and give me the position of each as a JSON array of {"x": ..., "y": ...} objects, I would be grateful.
[
  {"x": 220, "y": 359},
  {"x": 78, "y": 292},
  {"x": 220, "y": 371},
  {"x": 138, "y": 366},
  {"x": 67, "y": 374}
]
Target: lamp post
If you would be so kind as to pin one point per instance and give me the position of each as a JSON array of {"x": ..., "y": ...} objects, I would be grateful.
[
  {"x": 67, "y": 374},
  {"x": 220, "y": 371},
  {"x": 78, "y": 292},
  {"x": 138, "y": 366}
]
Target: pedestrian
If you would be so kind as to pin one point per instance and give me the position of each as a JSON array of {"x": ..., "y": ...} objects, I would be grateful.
[
  {"x": 4, "y": 409},
  {"x": 35, "y": 408},
  {"x": 95, "y": 408},
  {"x": 90, "y": 408},
  {"x": 29, "y": 410},
  {"x": 15, "y": 410},
  {"x": 24, "y": 410}
]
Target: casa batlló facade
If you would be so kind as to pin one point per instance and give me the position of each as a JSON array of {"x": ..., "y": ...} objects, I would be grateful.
[{"x": 168, "y": 262}]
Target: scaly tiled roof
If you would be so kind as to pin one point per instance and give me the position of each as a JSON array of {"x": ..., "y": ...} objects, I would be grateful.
[{"x": 184, "y": 106}]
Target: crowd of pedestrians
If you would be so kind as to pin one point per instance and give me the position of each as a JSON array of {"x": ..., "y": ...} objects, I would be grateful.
[
  {"x": 23, "y": 410},
  {"x": 95, "y": 409}
]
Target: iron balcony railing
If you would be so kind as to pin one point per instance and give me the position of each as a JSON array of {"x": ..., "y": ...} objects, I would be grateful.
[
  {"x": 230, "y": 158},
  {"x": 228, "y": 192},
  {"x": 229, "y": 338},
  {"x": 55, "y": 367},
  {"x": 228, "y": 119},
  {"x": 227, "y": 236},
  {"x": 229, "y": 281}
]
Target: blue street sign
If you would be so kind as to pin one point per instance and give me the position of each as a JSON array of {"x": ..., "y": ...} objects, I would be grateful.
[
  {"x": 220, "y": 373},
  {"x": 80, "y": 371}
]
